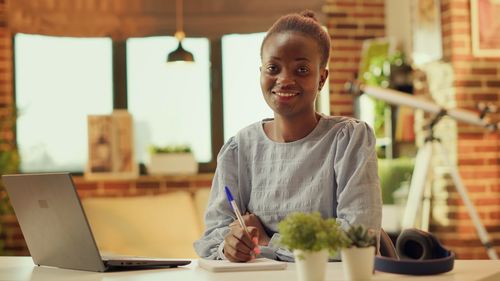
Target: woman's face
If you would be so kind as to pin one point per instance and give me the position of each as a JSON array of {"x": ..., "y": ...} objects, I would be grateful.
[{"x": 290, "y": 75}]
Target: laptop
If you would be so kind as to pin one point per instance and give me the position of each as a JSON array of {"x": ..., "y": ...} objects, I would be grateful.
[{"x": 56, "y": 229}]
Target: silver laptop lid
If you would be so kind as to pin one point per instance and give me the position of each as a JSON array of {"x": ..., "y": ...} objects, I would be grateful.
[{"x": 52, "y": 221}]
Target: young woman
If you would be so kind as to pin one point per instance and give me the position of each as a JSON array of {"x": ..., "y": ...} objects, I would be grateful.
[{"x": 298, "y": 161}]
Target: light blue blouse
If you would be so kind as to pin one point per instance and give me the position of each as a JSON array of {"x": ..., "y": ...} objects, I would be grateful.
[{"x": 332, "y": 170}]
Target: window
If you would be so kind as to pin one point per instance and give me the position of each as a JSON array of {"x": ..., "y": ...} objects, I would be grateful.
[
  {"x": 170, "y": 104},
  {"x": 59, "y": 81},
  {"x": 243, "y": 102}
]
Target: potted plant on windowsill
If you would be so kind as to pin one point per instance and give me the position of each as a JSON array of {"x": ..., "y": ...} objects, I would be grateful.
[
  {"x": 359, "y": 255},
  {"x": 312, "y": 240},
  {"x": 172, "y": 159}
]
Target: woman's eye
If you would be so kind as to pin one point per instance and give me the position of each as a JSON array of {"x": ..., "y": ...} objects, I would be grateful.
[
  {"x": 272, "y": 68},
  {"x": 302, "y": 70}
]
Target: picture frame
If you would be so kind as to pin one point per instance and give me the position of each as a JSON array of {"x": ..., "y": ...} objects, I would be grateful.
[
  {"x": 485, "y": 27},
  {"x": 111, "y": 148},
  {"x": 427, "y": 41}
]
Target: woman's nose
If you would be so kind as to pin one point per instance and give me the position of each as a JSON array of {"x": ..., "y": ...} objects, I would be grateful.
[{"x": 285, "y": 79}]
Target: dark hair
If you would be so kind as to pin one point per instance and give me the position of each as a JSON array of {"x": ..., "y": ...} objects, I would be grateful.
[{"x": 306, "y": 23}]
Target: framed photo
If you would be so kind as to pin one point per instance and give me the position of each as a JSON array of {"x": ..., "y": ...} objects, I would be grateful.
[
  {"x": 426, "y": 31},
  {"x": 485, "y": 28},
  {"x": 111, "y": 154},
  {"x": 100, "y": 130}
]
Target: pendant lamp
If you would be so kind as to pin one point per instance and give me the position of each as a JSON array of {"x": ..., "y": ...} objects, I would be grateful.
[{"x": 179, "y": 54}]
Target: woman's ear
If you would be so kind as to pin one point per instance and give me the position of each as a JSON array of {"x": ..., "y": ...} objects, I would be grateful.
[{"x": 322, "y": 78}]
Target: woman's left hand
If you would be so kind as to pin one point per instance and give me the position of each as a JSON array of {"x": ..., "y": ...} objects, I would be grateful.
[{"x": 254, "y": 221}]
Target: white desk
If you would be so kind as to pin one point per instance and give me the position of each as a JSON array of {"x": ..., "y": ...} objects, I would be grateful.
[{"x": 23, "y": 269}]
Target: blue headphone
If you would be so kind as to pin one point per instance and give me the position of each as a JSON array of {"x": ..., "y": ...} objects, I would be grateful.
[{"x": 420, "y": 253}]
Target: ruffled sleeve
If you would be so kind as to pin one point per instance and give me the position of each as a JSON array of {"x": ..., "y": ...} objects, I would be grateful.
[
  {"x": 359, "y": 199},
  {"x": 218, "y": 214}
]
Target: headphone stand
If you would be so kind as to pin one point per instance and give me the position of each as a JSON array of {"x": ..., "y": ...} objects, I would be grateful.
[{"x": 420, "y": 193}]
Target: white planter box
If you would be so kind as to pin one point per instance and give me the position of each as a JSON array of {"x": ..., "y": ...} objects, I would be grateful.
[{"x": 172, "y": 163}]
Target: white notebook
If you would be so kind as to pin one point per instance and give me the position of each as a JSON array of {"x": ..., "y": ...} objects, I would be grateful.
[{"x": 257, "y": 264}]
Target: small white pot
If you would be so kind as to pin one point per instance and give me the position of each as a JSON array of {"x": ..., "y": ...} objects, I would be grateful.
[
  {"x": 311, "y": 266},
  {"x": 358, "y": 263},
  {"x": 172, "y": 163}
]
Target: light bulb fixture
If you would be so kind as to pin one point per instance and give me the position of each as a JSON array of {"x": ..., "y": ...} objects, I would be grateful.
[{"x": 179, "y": 54}]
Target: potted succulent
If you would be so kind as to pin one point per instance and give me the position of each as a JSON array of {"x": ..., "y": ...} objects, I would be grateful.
[
  {"x": 312, "y": 240},
  {"x": 172, "y": 159},
  {"x": 359, "y": 255}
]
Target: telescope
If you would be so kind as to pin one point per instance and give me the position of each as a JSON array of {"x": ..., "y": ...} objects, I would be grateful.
[
  {"x": 404, "y": 99},
  {"x": 423, "y": 161}
]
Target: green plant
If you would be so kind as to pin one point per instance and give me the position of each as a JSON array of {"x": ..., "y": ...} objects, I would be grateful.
[
  {"x": 361, "y": 237},
  {"x": 392, "y": 173},
  {"x": 376, "y": 71},
  {"x": 9, "y": 160},
  {"x": 310, "y": 232},
  {"x": 154, "y": 149},
  {"x": 9, "y": 163},
  {"x": 9, "y": 155}
]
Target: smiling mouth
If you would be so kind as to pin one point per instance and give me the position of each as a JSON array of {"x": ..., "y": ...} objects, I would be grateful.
[{"x": 285, "y": 95}]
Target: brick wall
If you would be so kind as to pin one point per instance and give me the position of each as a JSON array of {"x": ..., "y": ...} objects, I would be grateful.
[
  {"x": 6, "y": 96},
  {"x": 6, "y": 91},
  {"x": 478, "y": 152},
  {"x": 349, "y": 22}
]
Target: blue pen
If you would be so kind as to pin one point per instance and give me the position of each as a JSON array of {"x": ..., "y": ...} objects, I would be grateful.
[{"x": 237, "y": 212}]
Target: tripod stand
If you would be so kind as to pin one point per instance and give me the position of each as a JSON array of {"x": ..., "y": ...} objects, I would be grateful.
[{"x": 419, "y": 195}]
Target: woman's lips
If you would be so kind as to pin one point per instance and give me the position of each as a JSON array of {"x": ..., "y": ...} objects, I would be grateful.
[{"x": 285, "y": 96}]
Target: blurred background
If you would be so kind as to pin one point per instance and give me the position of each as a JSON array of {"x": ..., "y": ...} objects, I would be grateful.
[{"x": 65, "y": 62}]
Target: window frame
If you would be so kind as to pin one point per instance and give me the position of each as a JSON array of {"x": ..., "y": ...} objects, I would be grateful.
[
  {"x": 120, "y": 100},
  {"x": 120, "y": 93},
  {"x": 14, "y": 91}
]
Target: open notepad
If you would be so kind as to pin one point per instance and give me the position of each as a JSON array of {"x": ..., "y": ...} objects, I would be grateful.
[{"x": 257, "y": 264}]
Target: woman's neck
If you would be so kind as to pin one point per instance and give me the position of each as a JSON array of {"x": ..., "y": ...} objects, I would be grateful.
[{"x": 288, "y": 129}]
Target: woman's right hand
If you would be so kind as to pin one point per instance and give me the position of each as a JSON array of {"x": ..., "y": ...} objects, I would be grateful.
[
  {"x": 238, "y": 245},
  {"x": 253, "y": 220}
]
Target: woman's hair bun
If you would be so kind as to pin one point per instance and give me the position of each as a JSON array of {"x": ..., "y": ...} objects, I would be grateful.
[{"x": 308, "y": 14}]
